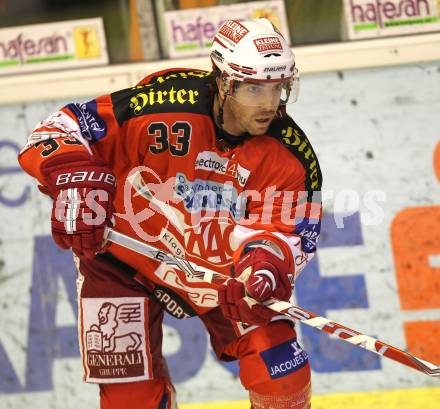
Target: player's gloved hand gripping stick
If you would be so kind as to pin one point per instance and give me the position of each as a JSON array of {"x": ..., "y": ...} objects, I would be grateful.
[
  {"x": 280, "y": 307},
  {"x": 259, "y": 274}
]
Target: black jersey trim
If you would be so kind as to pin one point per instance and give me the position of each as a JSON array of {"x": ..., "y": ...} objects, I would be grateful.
[
  {"x": 186, "y": 91},
  {"x": 294, "y": 139}
]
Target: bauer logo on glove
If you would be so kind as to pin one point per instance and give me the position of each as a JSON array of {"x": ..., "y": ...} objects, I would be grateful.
[{"x": 83, "y": 189}]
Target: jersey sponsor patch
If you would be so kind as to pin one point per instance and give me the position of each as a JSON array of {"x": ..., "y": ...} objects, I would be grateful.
[
  {"x": 113, "y": 340},
  {"x": 295, "y": 140},
  {"x": 309, "y": 230},
  {"x": 202, "y": 195},
  {"x": 177, "y": 92},
  {"x": 212, "y": 162},
  {"x": 173, "y": 244},
  {"x": 172, "y": 303},
  {"x": 92, "y": 126},
  {"x": 199, "y": 296},
  {"x": 284, "y": 359}
]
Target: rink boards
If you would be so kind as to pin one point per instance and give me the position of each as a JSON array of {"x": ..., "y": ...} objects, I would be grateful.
[
  {"x": 376, "y": 133},
  {"x": 422, "y": 398}
]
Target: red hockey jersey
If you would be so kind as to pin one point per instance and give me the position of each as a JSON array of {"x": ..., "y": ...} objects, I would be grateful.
[{"x": 181, "y": 188}]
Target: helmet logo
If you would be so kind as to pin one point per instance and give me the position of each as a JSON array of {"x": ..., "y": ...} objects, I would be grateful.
[
  {"x": 275, "y": 69},
  {"x": 265, "y": 44},
  {"x": 233, "y": 31},
  {"x": 248, "y": 50}
]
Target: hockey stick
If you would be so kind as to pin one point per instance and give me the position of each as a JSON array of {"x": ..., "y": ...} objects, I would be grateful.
[{"x": 300, "y": 314}]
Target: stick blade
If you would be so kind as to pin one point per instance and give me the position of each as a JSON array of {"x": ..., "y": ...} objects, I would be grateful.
[{"x": 426, "y": 367}]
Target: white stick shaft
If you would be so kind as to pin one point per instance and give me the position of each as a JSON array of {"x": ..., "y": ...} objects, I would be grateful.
[{"x": 309, "y": 318}]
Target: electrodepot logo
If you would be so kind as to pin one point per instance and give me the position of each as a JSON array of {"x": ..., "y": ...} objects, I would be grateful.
[
  {"x": 210, "y": 161},
  {"x": 266, "y": 44},
  {"x": 233, "y": 31}
]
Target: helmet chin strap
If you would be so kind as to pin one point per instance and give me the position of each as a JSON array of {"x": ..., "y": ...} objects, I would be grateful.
[
  {"x": 226, "y": 85},
  {"x": 220, "y": 120},
  {"x": 223, "y": 133}
]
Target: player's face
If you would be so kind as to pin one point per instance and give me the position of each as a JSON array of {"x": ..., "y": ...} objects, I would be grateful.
[{"x": 253, "y": 106}]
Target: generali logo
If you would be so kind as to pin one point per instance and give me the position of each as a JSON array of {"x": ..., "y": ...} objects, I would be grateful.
[
  {"x": 114, "y": 338},
  {"x": 233, "y": 31},
  {"x": 268, "y": 44}
]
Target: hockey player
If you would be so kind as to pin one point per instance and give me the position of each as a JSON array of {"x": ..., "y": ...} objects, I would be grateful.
[{"x": 206, "y": 165}]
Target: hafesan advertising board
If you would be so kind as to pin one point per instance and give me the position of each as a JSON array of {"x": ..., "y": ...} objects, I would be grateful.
[
  {"x": 376, "y": 18},
  {"x": 190, "y": 32},
  {"x": 43, "y": 47}
]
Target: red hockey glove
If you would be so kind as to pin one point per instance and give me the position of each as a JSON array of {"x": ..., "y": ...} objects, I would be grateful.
[
  {"x": 83, "y": 189},
  {"x": 237, "y": 307},
  {"x": 261, "y": 275},
  {"x": 265, "y": 274}
]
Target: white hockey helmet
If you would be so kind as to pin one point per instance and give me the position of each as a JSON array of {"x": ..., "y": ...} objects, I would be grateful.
[{"x": 254, "y": 51}]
